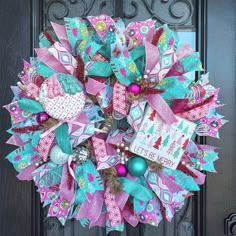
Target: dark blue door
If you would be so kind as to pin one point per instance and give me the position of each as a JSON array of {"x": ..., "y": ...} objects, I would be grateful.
[{"x": 210, "y": 28}]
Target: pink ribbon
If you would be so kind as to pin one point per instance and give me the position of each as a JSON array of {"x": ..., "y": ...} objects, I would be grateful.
[
  {"x": 77, "y": 121},
  {"x": 184, "y": 51},
  {"x": 64, "y": 57},
  {"x": 48, "y": 59},
  {"x": 62, "y": 36},
  {"x": 100, "y": 152},
  {"x": 150, "y": 35},
  {"x": 198, "y": 111},
  {"x": 119, "y": 99},
  {"x": 113, "y": 210},
  {"x": 161, "y": 107},
  {"x": 93, "y": 209},
  {"x": 101, "y": 221},
  {"x": 200, "y": 179},
  {"x": 67, "y": 185},
  {"x": 121, "y": 200},
  {"x": 130, "y": 217},
  {"x": 206, "y": 148},
  {"x": 98, "y": 218},
  {"x": 44, "y": 145},
  {"x": 155, "y": 100},
  {"x": 171, "y": 185},
  {"x": 152, "y": 56},
  {"x": 93, "y": 86},
  {"x": 26, "y": 173},
  {"x": 15, "y": 140},
  {"x": 115, "y": 136}
]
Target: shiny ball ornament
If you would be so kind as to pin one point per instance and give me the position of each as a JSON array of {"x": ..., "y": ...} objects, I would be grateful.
[
  {"x": 42, "y": 117},
  {"x": 121, "y": 170},
  {"x": 134, "y": 89},
  {"x": 137, "y": 166},
  {"x": 57, "y": 156}
]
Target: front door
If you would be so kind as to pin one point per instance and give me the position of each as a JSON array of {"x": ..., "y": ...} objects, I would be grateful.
[{"x": 209, "y": 26}]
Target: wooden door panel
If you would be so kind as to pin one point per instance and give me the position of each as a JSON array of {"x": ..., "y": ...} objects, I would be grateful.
[{"x": 15, "y": 196}]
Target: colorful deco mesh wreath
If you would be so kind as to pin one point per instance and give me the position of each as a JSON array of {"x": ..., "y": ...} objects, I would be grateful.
[{"x": 105, "y": 121}]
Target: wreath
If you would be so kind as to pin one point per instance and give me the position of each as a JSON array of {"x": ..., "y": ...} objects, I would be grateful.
[{"x": 105, "y": 119}]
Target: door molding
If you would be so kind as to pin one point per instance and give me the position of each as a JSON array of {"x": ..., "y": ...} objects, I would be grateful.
[
  {"x": 199, "y": 203},
  {"x": 36, "y": 28}
]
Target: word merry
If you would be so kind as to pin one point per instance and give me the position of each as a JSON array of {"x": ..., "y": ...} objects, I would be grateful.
[{"x": 153, "y": 156}]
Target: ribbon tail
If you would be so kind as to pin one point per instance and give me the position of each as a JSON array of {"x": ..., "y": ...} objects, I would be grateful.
[
  {"x": 101, "y": 221},
  {"x": 162, "y": 108},
  {"x": 130, "y": 217},
  {"x": 94, "y": 212},
  {"x": 121, "y": 199},
  {"x": 67, "y": 185},
  {"x": 26, "y": 174},
  {"x": 113, "y": 210}
]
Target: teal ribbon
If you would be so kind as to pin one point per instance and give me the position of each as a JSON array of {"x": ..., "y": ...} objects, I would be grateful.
[
  {"x": 109, "y": 229},
  {"x": 21, "y": 157},
  {"x": 44, "y": 70},
  {"x": 136, "y": 190},
  {"x": 163, "y": 46},
  {"x": 88, "y": 179},
  {"x": 192, "y": 62},
  {"x": 125, "y": 68},
  {"x": 137, "y": 52},
  {"x": 30, "y": 105},
  {"x": 63, "y": 139},
  {"x": 43, "y": 41},
  {"x": 105, "y": 51},
  {"x": 89, "y": 51},
  {"x": 100, "y": 68},
  {"x": 182, "y": 179},
  {"x": 74, "y": 29},
  {"x": 173, "y": 88},
  {"x": 51, "y": 177},
  {"x": 79, "y": 197},
  {"x": 139, "y": 205}
]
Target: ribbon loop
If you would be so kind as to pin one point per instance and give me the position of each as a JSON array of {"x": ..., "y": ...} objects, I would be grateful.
[{"x": 161, "y": 107}]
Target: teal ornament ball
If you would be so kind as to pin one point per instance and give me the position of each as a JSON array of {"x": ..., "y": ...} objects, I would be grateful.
[
  {"x": 137, "y": 166},
  {"x": 57, "y": 156}
]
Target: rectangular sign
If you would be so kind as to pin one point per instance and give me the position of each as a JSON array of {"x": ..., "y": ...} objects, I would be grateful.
[{"x": 161, "y": 142}]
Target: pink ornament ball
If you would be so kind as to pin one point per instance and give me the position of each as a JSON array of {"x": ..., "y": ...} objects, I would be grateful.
[
  {"x": 134, "y": 89},
  {"x": 42, "y": 117},
  {"x": 121, "y": 170}
]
